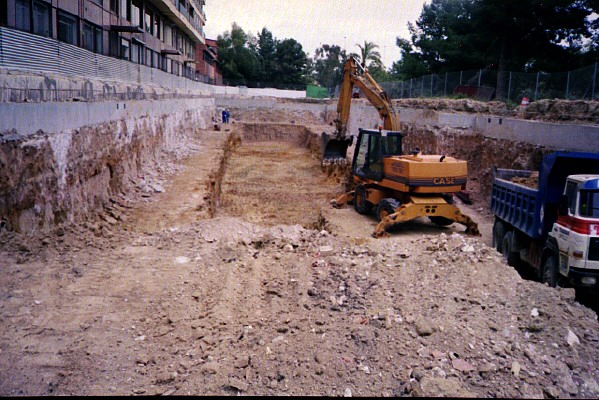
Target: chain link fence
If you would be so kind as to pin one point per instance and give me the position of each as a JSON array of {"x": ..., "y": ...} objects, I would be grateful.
[{"x": 579, "y": 84}]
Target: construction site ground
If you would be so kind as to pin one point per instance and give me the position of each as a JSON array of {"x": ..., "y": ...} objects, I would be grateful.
[{"x": 238, "y": 277}]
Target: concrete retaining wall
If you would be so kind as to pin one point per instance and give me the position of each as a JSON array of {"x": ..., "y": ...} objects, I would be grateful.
[
  {"x": 63, "y": 162},
  {"x": 253, "y": 92}
]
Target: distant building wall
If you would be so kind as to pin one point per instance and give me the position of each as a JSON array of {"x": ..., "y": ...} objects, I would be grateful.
[{"x": 160, "y": 34}]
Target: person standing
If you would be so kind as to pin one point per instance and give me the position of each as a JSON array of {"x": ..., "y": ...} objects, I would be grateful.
[
  {"x": 224, "y": 115},
  {"x": 228, "y": 115}
]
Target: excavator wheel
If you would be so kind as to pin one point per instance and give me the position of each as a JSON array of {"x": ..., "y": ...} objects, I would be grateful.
[
  {"x": 361, "y": 205},
  {"x": 386, "y": 207}
]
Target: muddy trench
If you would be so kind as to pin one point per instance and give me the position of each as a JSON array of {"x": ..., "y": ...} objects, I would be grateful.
[{"x": 271, "y": 174}]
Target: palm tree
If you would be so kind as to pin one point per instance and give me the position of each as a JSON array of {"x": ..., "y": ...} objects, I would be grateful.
[{"x": 369, "y": 52}]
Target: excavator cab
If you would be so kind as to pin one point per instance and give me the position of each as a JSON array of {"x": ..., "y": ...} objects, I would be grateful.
[{"x": 371, "y": 148}]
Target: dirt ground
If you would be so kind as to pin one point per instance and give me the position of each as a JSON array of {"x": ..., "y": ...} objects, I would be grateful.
[{"x": 240, "y": 278}]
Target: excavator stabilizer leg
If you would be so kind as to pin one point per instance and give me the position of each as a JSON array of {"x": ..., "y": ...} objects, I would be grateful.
[
  {"x": 343, "y": 199},
  {"x": 409, "y": 211}
]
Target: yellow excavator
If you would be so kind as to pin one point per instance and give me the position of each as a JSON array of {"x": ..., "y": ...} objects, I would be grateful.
[{"x": 397, "y": 187}]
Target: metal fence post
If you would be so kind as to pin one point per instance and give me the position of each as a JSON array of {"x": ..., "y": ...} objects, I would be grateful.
[
  {"x": 460, "y": 78},
  {"x": 432, "y": 78},
  {"x": 568, "y": 85},
  {"x": 401, "y": 97},
  {"x": 411, "y": 87},
  {"x": 509, "y": 87},
  {"x": 480, "y": 74},
  {"x": 445, "y": 86},
  {"x": 422, "y": 87},
  {"x": 537, "y": 86},
  {"x": 594, "y": 81}
]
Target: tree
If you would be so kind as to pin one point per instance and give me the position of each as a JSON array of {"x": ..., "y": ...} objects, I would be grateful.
[
  {"x": 518, "y": 35},
  {"x": 238, "y": 62},
  {"x": 328, "y": 65},
  {"x": 291, "y": 62},
  {"x": 266, "y": 48},
  {"x": 368, "y": 52}
]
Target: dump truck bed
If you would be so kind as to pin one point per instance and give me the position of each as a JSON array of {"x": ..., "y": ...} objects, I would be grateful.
[{"x": 516, "y": 202}]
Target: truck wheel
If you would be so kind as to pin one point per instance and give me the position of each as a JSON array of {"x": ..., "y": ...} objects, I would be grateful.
[
  {"x": 361, "y": 205},
  {"x": 506, "y": 249},
  {"x": 498, "y": 233},
  {"x": 386, "y": 207},
  {"x": 441, "y": 221},
  {"x": 550, "y": 274}
]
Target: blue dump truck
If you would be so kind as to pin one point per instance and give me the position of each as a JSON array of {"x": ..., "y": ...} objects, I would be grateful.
[{"x": 551, "y": 225}]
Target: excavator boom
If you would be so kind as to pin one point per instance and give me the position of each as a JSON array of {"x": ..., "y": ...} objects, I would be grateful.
[{"x": 355, "y": 75}]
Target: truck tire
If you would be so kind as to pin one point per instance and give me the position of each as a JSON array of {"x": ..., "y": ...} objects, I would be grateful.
[
  {"x": 550, "y": 274},
  {"x": 498, "y": 233},
  {"x": 361, "y": 205},
  {"x": 386, "y": 207},
  {"x": 511, "y": 257}
]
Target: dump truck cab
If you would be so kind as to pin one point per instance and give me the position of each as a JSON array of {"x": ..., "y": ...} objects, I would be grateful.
[{"x": 575, "y": 234}]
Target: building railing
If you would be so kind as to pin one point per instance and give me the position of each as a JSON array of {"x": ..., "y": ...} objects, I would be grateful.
[
  {"x": 29, "y": 95},
  {"x": 33, "y": 53}
]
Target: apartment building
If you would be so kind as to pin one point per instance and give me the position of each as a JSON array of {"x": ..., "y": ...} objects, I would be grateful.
[
  {"x": 207, "y": 62},
  {"x": 160, "y": 34}
]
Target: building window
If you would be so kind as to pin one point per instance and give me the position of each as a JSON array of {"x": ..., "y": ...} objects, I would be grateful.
[
  {"x": 136, "y": 53},
  {"x": 137, "y": 13},
  {"x": 114, "y": 6},
  {"x": 41, "y": 18},
  {"x": 159, "y": 60},
  {"x": 3, "y": 12},
  {"x": 98, "y": 2},
  {"x": 92, "y": 37},
  {"x": 168, "y": 35},
  {"x": 113, "y": 41},
  {"x": 157, "y": 27},
  {"x": 149, "y": 19},
  {"x": 124, "y": 53},
  {"x": 126, "y": 9},
  {"x": 68, "y": 28},
  {"x": 23, "y": 15}
]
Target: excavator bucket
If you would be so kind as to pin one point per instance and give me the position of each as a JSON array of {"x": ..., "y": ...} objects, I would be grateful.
[{"x": 334, "y": 149}]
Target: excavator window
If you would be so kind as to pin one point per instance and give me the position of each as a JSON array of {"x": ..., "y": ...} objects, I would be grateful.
[
  {"x": 391, "y": 145},
  {"x": 368, "y": 161}
]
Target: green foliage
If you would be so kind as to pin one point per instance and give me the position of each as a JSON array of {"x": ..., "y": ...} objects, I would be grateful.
[
  {"x": 327, "y": 65},
  {"x": 291, "y": 62},
  {"x": 237, "y": 60},
  {"x": 502, "y": 35},
  {"x": 247, "y": 60},
  {"x": 368, "y": 52}
]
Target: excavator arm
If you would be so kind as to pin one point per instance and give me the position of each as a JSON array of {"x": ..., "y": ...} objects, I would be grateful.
[{"x": 355, "y": 75}]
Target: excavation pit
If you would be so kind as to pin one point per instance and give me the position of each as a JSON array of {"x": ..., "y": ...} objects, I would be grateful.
[{"x": 275, "y": 177}]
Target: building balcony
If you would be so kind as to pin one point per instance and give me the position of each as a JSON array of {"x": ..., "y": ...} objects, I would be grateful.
[{"x": 179, "y": 15}]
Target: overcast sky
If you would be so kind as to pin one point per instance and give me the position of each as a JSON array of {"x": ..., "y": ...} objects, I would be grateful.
[{"x": 316, "y": 22}]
